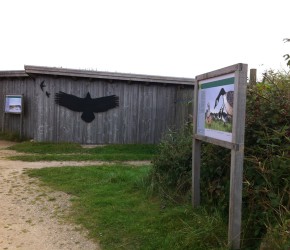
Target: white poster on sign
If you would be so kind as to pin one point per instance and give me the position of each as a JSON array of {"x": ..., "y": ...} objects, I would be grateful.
[{"x": 215, "y": 107}]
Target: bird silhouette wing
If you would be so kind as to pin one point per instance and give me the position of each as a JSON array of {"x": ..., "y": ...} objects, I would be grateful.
[
  {"x": 71, "y": 102},
  {"x": 42, "y": 85},
  {"x": 105, "y": 103}
]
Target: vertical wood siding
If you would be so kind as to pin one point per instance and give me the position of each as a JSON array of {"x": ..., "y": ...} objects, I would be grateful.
[{"x": 145, "y": 111}]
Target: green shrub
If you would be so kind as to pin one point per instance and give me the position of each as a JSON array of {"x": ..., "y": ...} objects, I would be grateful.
[
  {"x": 266, "y": 190},
  {"x": 215, "y": 177},
  {"x": 267, "y": 165},
  {"x": 172, "y": 164}
]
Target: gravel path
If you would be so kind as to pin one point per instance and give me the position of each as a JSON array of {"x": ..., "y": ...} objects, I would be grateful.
[{"x": 32, "y": 215}]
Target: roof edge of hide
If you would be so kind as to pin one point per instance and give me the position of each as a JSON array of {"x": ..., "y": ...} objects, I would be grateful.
[
  {"x": 13, "y": 73},
  {"x": 29, "y": 69}
]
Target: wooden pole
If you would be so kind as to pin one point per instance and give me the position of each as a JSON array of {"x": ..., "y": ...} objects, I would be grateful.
[
  {"x": 196, "y": 144},
  {"x": 196, "y": 172},
  {"x": 237, "y": 158},
  {"x": 253, "y": 76}
]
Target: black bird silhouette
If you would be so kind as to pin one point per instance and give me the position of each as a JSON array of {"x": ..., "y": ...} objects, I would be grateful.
[
  {"x": 87, "y": 105},
  {"x": 42, "y": 85},
  {"x": 47, "y": 94}
]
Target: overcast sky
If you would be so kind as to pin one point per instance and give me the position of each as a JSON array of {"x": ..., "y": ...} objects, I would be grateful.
[{"x": 172, "y": 38}]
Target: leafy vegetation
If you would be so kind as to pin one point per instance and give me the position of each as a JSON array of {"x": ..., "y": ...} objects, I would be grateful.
[
  {"x": 42, "y": 151},
  {"x": 172, "y": 164},
  {"x": 266, "y": 195},
  {"x": 117, "y": 208},
  {"x": 267, "y": 179}
]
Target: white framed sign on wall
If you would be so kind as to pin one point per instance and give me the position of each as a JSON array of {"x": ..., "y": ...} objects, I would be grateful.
[{"x": 13, "y": 104}]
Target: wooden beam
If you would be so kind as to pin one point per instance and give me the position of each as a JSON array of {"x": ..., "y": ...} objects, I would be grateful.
[
  {"x": 107, "y": 75},
  {"x": 220, "y": 72},
  {"x": 217, "y": 142},
  {"x": 13, "y": 73},
  {"x": 253, "y": 76},
  {"x": 196, "y": 149},
  {"x": 237, "y": 159}
]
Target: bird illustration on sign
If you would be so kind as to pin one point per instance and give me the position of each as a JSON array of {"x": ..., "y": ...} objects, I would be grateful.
[
  {"x": 221, "y": 116},
  {"x": 228, "y": 101},
  {"x": 87, "y": 105}
]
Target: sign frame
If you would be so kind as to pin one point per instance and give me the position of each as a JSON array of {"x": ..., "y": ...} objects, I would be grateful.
[
  {"x": 235, "y": 144},
  {"x": 12, "y": 105}
]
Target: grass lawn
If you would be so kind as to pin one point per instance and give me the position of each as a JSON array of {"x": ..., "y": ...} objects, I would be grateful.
[
  {"x": 120, "y": 211},
  {"x": 41, "y": 151},
  {"x": 117, "y": 203}
]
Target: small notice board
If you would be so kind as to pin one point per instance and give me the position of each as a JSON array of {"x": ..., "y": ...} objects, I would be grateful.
[{"x": 13, "y": 104}]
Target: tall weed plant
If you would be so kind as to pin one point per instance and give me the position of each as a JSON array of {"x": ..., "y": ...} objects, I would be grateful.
[
  {"x": 266, "y": 190},
  {"x": 172, "y": 165}
]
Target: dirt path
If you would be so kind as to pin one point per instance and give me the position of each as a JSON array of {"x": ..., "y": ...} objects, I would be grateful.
[{"x": 31, "y": 215}]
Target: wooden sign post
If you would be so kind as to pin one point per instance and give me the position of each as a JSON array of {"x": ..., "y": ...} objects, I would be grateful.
[{"x": 220, "y": 98}]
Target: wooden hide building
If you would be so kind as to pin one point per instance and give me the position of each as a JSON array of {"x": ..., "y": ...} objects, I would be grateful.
[{"x": 148, "y": 105}]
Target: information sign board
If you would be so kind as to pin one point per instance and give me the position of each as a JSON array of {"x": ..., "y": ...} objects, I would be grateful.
[
  {"x": 219, "y": 118},
  {"x": 13, "y": 104}
]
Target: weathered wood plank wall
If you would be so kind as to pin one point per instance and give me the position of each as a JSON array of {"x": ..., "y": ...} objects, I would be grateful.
[
  {"x": 183, "y": 106},
  {"x": 145, "y": 112}
]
